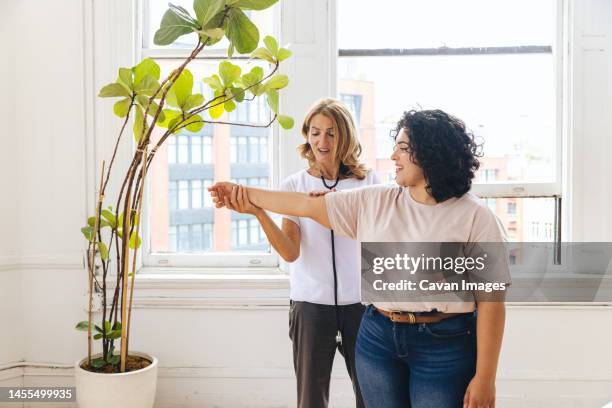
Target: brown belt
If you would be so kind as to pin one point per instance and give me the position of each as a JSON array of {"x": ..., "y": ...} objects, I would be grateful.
[{"x": 413, "y": 318}]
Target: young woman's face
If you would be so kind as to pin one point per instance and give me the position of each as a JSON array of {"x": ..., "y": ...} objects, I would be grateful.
[
  {"x": 321, "y": 139},
  {"x": 407, "y": 172}
]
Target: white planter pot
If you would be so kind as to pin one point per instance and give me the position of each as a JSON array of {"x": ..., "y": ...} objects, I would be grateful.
[{"x": 134, "y": 389}]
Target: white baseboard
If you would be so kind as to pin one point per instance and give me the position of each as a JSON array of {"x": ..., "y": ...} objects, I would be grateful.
[{"x": 265, "y": 387}]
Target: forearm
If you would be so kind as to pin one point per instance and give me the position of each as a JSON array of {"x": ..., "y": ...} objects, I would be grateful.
[
  {"x": 489, "y": 333},
  {"x": 290, "y": 203},
  {"x": 285, "y": 247}
]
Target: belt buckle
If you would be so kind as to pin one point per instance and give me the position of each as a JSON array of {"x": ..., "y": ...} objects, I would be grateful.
[{"x": 411, "y": 317}]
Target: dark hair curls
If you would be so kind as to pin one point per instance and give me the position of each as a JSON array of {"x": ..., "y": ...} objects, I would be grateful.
[{"x": 440, "y": 144}]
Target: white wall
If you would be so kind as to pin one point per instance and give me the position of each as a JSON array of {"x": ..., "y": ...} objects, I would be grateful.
[
  {"x": 9, "y": 165},
  {"x": 225, "y": 343}
]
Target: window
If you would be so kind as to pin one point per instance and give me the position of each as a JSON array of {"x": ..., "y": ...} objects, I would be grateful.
[
  {"x": 479, "y": 68},
  {"x": 189, "y": 222},
  {"x": 353, "y": 103}
]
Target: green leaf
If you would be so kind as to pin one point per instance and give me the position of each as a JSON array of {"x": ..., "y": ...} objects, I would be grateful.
[
  {"x": 277, "y": 82},
  {"x": 114, "y": 334},
  {"x": 217, "y": 111},
  {"x": 103, "y": 251},
  {"x": 173, "y": 25},
  {"x": 143, "y": 102},
  {"x": 214, "y": 33},
  {"x": 252, "y": 78},
  {"x": 237, "y": 93},
  {"x": 98, "y": 329},
  {"x": 169, "y": 116},
  {"x": 146, "y": 67},
  {"x": 242, "y": 32},
  {"x": 206, "y": 9},
  {"x": 264, "y": 54},
  {"x": 122, "y": 107},
  {"x": 125, "y": 77},
  {"x": 271, "y": 44},
  {"x": 214, "y": 81},
  {"x": 229, "y": 106},
  {"x": 82, "y": 326},
  {"x": 114, "y": 360},
  {"x": 285, "y": 121},
  {"x": 138, "y": 124},
  {"x": 97, "y": 336},
  {"x": 193, "y": 101},
  {"x": 255, "y": 4},
  {"x": 113, "y": 90},
  {"x": 91, "y": 221},
  {"x": 195, "y": 124},
  {"x": 283, "y": 54},
  {"x": 230, "y": 50},
  {"x": 180, "y": 11},
  {"x": 98, "y": 362},
  {"x": 107, "y": 326},
  {"x": 181, "y": 89},
  {"x": 272, "y": 96},
  {"x": 110, "y": 217},
  {"x": 148, "y": 86},
  {"x": 88, "y": 232},
  {"x": 229, "y": 73},
  {"x": 117, "y": 326},
  {"x": 135, "y": 240}
]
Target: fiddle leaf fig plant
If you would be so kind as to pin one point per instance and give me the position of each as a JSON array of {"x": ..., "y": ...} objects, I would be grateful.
[{"x": 146, "y": 101}]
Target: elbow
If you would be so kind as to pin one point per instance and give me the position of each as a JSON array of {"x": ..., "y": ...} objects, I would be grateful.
[{"x": 291, "y": 257}]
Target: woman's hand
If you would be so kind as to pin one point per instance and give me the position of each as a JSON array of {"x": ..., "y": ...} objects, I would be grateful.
[
  {"x": 239, "y": 201},
  {"x": 480, "y": 393},
  {"x": 318, "y": 193},
  {"x": 221, "y": 193}
]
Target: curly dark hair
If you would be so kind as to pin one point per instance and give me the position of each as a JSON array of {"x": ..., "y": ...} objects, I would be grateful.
[{"x": 440, "y": 144}]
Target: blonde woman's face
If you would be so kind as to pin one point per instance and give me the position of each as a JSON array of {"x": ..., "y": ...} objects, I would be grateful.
[{"x": 321, "y": 139}]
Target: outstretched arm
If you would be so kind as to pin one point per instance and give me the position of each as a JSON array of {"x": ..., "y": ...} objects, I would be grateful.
[{"x": 281, "y": 202}]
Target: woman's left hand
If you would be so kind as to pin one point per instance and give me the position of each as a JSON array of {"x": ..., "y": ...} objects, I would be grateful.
[
  {"x": 319, "y": 193},
  {"x": 480, "y": 393}
]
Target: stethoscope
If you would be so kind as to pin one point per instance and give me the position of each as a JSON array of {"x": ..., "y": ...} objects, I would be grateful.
[{"x": 339, "y": 332}]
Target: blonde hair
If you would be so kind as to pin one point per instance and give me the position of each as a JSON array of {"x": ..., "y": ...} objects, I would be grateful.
[{"x": 347, "y": 148}]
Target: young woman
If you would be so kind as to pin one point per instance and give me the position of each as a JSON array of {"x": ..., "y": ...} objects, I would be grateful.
[
  {"x": 419, "y": 355},
  {"x": 325, "y": 309}
]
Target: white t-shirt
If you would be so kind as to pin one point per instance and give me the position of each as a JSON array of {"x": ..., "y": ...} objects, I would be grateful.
[
  {"x": 388, "y": 213},
  {"x": 312, "y": 275}
]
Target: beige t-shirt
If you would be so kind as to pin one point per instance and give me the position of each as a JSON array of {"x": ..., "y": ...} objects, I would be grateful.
[{"x": 387, "y": 213}]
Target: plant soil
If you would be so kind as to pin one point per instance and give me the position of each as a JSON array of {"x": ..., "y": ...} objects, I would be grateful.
[{"x": 134, "y": 363}]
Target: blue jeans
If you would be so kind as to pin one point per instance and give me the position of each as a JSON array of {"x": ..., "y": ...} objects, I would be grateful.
[{"x": 425, "y": 365}]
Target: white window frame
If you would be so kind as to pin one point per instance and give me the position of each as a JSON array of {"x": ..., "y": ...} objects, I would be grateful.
[{"x": 203, "y": 262}]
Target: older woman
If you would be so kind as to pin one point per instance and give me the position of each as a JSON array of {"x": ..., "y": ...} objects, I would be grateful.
[
  {"x": 325, "y": 310},
  {"x": 414, "y": 354}
]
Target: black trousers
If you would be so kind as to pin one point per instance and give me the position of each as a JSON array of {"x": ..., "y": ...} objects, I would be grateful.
[{"x": 312, "y": 329}]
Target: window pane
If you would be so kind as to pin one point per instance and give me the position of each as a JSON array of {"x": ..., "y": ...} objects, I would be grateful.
[
  {"x": 525, "y": 219},
  {"x": 196, "y": 193},
  {"x": 183, "y": 149},
  {"x": 195, "y": 168},
  {"x": 183, "y": 238},
  {"x": 196, "y": 237},
  {"x": 482, "y": 90},
  {"x": 253, "y": 150},
  {"x": 487, "y": 91},
  {"x": 173, "y": 195},
  {"x": 171, "y": 150},
  {"x": 207, "y": 149},
  {"x": 183, "y": 196},
  {"x": 196, "y": 150},
  {"x": 434, "y": 23}
]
